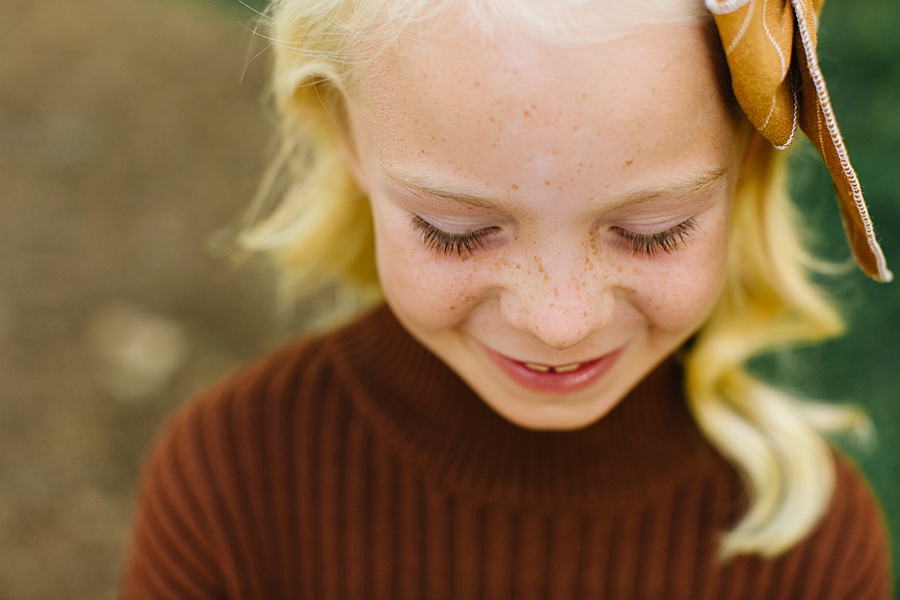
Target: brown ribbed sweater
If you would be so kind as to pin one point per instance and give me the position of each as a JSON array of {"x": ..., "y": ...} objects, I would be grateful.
[{"x": 359, "y": 466}]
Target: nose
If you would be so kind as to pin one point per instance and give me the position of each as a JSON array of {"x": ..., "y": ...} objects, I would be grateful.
[{"x": 560, "y": 301}]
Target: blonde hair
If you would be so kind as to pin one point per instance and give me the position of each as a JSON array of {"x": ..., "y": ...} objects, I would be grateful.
[{"x": 314, "y": 221}]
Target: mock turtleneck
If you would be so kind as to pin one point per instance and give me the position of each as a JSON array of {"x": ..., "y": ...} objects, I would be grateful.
[
  {"x": 437, "y": 423},
  {"x": 359, "y": 466}
]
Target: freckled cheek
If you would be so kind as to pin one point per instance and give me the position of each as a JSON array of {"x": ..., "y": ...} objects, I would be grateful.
[
  {"x": 680, "y": 299},
  {"x": 435, "y": 292}
]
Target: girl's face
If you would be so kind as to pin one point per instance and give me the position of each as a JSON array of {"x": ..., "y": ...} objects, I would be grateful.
[{"x": 552, "y": 222}]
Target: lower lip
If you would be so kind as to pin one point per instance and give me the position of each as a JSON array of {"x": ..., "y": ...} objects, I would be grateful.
[{"x": 556, "y": 383}]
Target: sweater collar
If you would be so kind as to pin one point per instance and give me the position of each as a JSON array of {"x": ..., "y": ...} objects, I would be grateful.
[{"x": 435, "y": 421}]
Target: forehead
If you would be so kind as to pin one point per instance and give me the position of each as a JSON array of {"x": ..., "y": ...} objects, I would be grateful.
[{"x": 473, "y": 103}]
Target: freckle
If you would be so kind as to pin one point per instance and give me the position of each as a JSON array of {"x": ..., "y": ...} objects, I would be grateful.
[
  {"x": 619, "y": 269},
  {"x": 552, "y": 305},
  {"x": 515, "y": 187},
  {"x": 628, "y": 163},
  {"x": 423, "y": 151},
  {"x": 493, "y": 145},
  {"x": 529, "y": 159},
  {"x": 534, "y": 107},
  {"x": 575, "y": 128},
  {"x": 546, "y": 183},
  {"x": 556, "y": 292},
  {"x": 526, "y": 113},
  {"x": 584, "y": 314},
  {"x": 477, "y": 84},
  {"x": 452, "y": 308}
]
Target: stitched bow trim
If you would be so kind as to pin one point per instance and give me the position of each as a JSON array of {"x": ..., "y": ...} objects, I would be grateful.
[{"x": 770, "y": 46}]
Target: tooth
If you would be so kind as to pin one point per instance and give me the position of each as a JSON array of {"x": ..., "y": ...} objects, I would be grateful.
[
  {"x": 539, "y": 368},
  {"x": 567, "y": 368}
]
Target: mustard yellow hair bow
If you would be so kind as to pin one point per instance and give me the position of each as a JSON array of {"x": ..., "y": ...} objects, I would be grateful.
[{"x": 771, "y": 50}]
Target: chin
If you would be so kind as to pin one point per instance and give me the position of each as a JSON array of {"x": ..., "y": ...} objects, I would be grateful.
[{"x": 554, "y": 417}]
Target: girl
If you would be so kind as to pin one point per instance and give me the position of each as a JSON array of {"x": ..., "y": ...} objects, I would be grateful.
[{"x": 580, "y": 233}]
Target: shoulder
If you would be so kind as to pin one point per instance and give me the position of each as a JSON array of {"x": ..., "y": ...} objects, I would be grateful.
[
  {"x": 252, "y": 428},
  {"x": 845, "y": 557},
  {"x": 220, "y": 462},
  {"x": 253, "y": 410},
  {"x": 265, "y": 415},
  {"x": 852, "y": 538},
  {"x": 253, "y": 396}
]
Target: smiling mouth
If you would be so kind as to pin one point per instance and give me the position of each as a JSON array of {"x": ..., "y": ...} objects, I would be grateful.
[{"x": 557, "y": 379}]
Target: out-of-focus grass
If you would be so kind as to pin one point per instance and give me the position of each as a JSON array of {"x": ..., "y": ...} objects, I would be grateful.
[{"x": 859, "y": 50}]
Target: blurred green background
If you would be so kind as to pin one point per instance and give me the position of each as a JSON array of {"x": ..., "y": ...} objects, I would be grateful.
[
  {"x": 859, "y": 52},
  {"x": 131, "y": 129}
]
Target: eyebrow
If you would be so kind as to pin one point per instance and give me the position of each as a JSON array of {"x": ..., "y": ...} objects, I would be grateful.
[
  {"x": 694, "y": 185},
  {"x": 418, "y": 188}
]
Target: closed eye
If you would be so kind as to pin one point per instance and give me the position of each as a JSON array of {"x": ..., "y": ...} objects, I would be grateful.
[
  {"x": 651, "y": 244},
  {"x": 465, "y": 244},
  {"x": 446, "y": 243}
]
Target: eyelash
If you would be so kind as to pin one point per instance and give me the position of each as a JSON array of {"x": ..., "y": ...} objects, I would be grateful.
[
  {"x": 640, "y": 244},
  {"x": 651, "y": 244},
  {"x": 446, "y": 243}
]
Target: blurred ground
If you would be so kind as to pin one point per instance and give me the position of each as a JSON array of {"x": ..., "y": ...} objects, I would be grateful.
[{"x": 129, "y": 130}]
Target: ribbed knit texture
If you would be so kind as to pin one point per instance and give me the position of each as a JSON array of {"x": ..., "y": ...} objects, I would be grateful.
[{"x": 359, "y": 466}]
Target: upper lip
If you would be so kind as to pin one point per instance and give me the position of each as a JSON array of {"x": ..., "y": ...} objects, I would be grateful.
[
  {"x": 552, "y": 365},
  {"x": 574, "y": 362}
]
